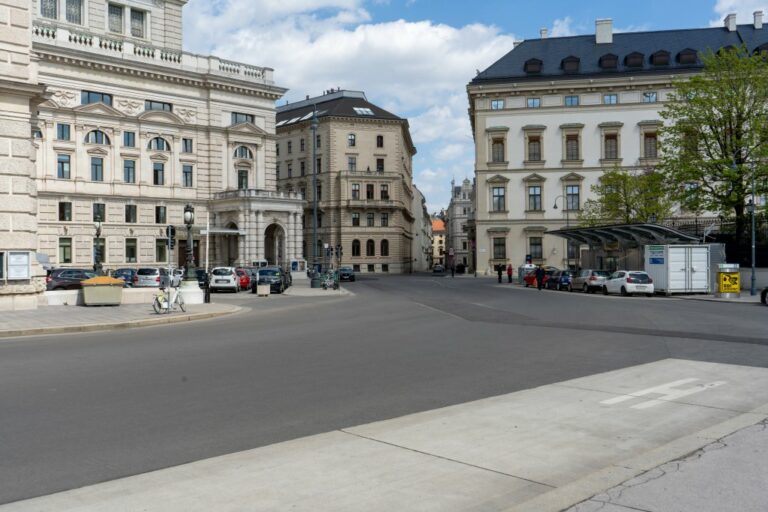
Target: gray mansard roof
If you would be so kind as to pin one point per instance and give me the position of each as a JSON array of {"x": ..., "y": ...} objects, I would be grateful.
[
  {"x": 552, "y": 51},
  {"x": 338, "y": 103}
]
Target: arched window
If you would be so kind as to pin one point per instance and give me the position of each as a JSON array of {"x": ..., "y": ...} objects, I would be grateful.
[
  {"x": 660, "y": 58},
  {"x": 687, "y": 56},
  {"x": 609, "y": 61},
  {"x": 351, "y": 140},
  {"x": 634, "y": 60},
  {"x": 570, "y": 64},
  {"x": 384, "y": 248},
  {"x": 159, "y": 144},
  {"x": 355, "y": 247},
  {"x": 97, "y": 137},
  {"x": 532, "y": 66},
  {"x": 244, "y": 153},
  {"x": 370, "y": 248}
]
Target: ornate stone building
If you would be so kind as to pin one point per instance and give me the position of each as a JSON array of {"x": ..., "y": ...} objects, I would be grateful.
[
  {"x": 422, "y": 237},
  {"x": 459, "y": 210},
  {"x": 135, "y": 128},
  {"x": 363, "y": 156}
]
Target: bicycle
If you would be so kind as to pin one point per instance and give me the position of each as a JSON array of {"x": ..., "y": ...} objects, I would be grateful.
[
  {"x": 330, "y": 280},
  {"x": 160, "y": 303}
]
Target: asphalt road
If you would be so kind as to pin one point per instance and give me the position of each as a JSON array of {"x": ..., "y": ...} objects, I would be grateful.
[{"x": 77, "y": 410}]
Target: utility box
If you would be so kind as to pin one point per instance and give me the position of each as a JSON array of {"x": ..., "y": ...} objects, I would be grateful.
[{"x": 679, "y": 268}]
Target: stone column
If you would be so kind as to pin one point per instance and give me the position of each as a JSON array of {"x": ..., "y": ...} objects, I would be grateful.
[
  {"x": 298, "y": 234},
  {"x": 259, "y": 233},
  {"x": 19, "y": 97},
  {"x": 242, "y": 241}
]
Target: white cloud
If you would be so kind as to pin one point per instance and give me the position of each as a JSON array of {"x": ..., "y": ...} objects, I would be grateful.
[
  {"x": 742, "y": 8},
  {"x": 417, "y": 70},
  {"x": 450, "y": 152},
  {"x": 562, "y": 27}
]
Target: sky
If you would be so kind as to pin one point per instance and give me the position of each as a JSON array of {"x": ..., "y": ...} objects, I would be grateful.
[{"x": 416, "y": 57}]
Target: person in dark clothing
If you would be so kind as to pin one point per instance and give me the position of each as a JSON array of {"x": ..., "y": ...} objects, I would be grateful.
[
  {"x": 499, "y": 270},
  {"x": 540, "y": 277},
  {"x": 509, "y": 273}
]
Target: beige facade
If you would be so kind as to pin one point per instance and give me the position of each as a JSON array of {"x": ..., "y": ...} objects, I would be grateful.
[
  {"x": 439, "y": 250},
  {"x": 21, "y": 277},
  {"x": 135, "y": 129},
  {"x": 364, "y": 180},
  {"x": 422, "y": 238}
]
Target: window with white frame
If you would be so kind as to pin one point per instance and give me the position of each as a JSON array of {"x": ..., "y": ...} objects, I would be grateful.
[
  {"x": 572, "y": 197},
  {"x": 650, "y": 145},
  {"x": 534, "y": 198},
  {"x": 611, "y": 146},
  {"x": 497, "y": 104},
  {"x": 115, "y": 20},
  {"x": 610, "y": 99},
  {"x": 498, "y": 199},
  {"x": 138, "y": 23},
  {"x": 497, "y": 150},
  {"x": 572, "y": 147},
  {"x": 536, "y": 247},
  {"x": 534, "y": 148},
  {"x": 534, "y": 102},
  {"x": 244, "y": 153},
  {"x": 650, "y": 97},
  {"x": 572, "y": 101},
  {"x": 499, "y": 248}
]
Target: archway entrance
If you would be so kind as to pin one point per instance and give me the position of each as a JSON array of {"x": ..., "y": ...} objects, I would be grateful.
[
  {"x": 230, "y": 246},
  {"x": 274, "y": 245}
]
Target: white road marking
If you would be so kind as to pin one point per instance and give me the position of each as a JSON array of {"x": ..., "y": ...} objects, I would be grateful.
[{"x": 668, "y": 392}]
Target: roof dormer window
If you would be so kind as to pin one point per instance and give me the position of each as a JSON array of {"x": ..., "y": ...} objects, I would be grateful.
[
  {"x": 634, "y": 60},
  {"x": 687, "y": 56},
  {"x": 609, "y": 61},
  {"x": 570, "y": 64},
  {"x": 660, "y": 58},
  {"x": 533, "y": 66}
]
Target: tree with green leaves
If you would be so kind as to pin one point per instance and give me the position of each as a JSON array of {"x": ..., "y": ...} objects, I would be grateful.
[
  {"x": 624, "y": 196},
  {"x": 714, "y": 140}
]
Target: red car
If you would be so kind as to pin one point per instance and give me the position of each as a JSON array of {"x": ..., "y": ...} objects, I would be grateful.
[
  {"x": 530, "y": 277},
  {"x": 245, "y": 279}
]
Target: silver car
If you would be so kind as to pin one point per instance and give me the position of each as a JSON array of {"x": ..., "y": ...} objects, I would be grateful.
[
  {"x": 224, "y": 278},
  {"x": 589, "y": 280},
  {"x": 151, "y": 277}
]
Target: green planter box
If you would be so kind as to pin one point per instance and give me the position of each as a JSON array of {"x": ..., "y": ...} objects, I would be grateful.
[{"x": 102, "y": 294}]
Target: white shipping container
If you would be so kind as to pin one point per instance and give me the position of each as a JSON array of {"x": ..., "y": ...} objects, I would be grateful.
[{"x": 679, "y": 268}]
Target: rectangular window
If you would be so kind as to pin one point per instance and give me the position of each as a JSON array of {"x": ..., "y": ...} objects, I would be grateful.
[
  {"x": 116, "y": 18},
  {"x": 355, "y": 191},
  {"x": 355, "y": 219},
  {"x": 65, "y": 250},
  {"x": 497, "y": 104},
  {"x": 157, "y": 105},
  {"x": 97, "y": 169},
  {"x": 65, "y": 211},
  {"x": 610, "y": 99},
  {"x": 290, "y": 147},
  {"x": 74, "y": 12},
  {"x": 319, "y": 192},
  {"x": 301, "y": 145},
  {"x": 499, "y": 248},
  {"x": 611, "y": 146},
  {"x": 62, "y": 167},
  {"x": 571, "y": 101},
  {"x": 379, "y": 165},
  {"x": 535, "y": 247},
  {"x": 572, "y": 147},
  {"x": 650, "y": 97},
  {"x": 371, "y": 268},
  {"x": 534, "y": 198},
  {"x": 238, "y": 118},
  {"x": 385, "y": 192},
  {"x": 317, "y": 141},
  {"x": 319, "y": 164},
  {"x": 62, "y": 131},
  {"x": 384, "y": 220},
  {"x": 302, "y": 168},
  {"x": 379, "y": 141},
  {"x": 498, "y": 204},
  {"x": 49, "y": 9},
  {"x": 99, "y": 212},
  {"x": 186, "y": 146},
  {"x": 99, "y": 250},
  {"x": 369, "y": 193},
  {"x": 242, "y": 179},
  {"x": 352, "y": 163},
  {"x": 534, "y": 102},
  {"x": 161, "y": 250},
  {"x": 158, "y": 173},
  {"x": 277, "y": 149},
  {"x": 534, "y": 149},
  {"x": 131, "y": 250},
  {"x": 650, "y": 144},
  {"x": 573, "y": 250},
  {"x": 129, "y": 171},
  {"x": 88, "y": 97},
  {"x": 384, "y": 266},
  {"x": 351, "y": 140},
  {"x": 131, "y": 216},
  {"x": 572, "y": 193},
  {"x": 186, "y": 176},
  {"x": 160, "y": 217},
  {"x": 369, "y": 219},
  {"x": 137, "y": 23},
  {"x": 497, "y": 151},
  {"x": 277, "y": 170},
  {"x": 129, "y": 139},
  {"x": 290, "y": 170}
]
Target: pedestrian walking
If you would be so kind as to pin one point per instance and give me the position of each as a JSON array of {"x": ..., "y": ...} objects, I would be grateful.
[
  {"x": 540, "y": 277},
  {"x": 499, "y": 270},
  {"x": 509, "y": 273}
]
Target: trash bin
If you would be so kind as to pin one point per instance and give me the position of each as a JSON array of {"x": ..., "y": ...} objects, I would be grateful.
[
  {"x": 728, "y": 281},
  {"x": 316, "y": 282},
  {"x": 103, "y": 291}
]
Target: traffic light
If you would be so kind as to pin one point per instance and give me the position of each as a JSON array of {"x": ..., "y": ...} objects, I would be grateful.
[
  {"x": 339, "y": 251},
  {"x": 170, "y": 233}
]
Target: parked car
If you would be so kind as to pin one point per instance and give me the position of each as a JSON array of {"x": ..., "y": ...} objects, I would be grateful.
[
  {"x": 224, "y": 278},
  {"x": 530, "y": 278},
  {"x": 346, "y": 273},
  {"x": 126, "y": 274},
  {"x": 202, "y": 277},
  {"x": 438, "y": 269},
  {"x": 628, "y": 282},
  {"x": 589, "y": 280},
  {"x": 764, "y": 296},
  {"x": 151, "y": 277},
  {"x": 245, "y": 278},
  {"x": 253, "y": 273},
  {"x": 275, "y": 277},
  {"x": 67, "y": 278},
  {"x": 560, "y": 280}
]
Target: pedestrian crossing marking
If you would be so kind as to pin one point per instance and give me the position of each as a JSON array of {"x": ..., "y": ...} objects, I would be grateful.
[{"x": 668, "y": 392}]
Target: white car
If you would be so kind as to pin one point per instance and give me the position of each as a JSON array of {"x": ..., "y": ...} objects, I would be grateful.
[
  {"x": 224, "y": 278},
  {"x": 628, "y": 282}
]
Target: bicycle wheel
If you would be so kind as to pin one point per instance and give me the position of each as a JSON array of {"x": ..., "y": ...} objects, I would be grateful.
[
  {"x": 156, "y": 306},
  {"x": 180, "y": 302}
]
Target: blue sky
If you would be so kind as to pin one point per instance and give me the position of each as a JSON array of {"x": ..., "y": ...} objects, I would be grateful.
[{"x": 415, "y": 57}]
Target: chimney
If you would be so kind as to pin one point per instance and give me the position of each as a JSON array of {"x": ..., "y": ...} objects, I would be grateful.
[
  {"x": 758, "y": 15},
  {"x": 730, "y": 22},
  {"x": 544, "y": 33},
  {"x": 604, "y": 31}
]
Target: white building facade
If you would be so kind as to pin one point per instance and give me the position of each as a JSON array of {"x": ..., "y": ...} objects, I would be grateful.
[
  {"x": 456, "y": 216},
  {"x": 422, "y": 236}
]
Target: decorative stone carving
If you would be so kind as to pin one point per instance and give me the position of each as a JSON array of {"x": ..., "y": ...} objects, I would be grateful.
[
  {"x": 127, "y": 106},
  {"x": 65, "y": 98},
  {"x": 187, "y": 114}
]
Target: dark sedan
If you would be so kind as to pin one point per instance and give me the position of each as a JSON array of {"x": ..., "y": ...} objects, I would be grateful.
[
  {"x": 560, "y": 280},
  {"x": 275, "y": 277},
  {"x": 68, "y": 278},
  {"x": 126, "y": 274},
  {"x": 346, "y": 273}
]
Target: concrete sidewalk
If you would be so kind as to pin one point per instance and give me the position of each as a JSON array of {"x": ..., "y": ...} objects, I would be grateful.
[
  {"x": 69, "y": 319},
  {"x": 745, "y": 298},
  {"x": 302, "y": 288},
  {"x": 539, "y": 450}
]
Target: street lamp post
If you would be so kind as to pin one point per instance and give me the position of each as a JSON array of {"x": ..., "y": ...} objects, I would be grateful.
[
  {"x": 751, "y": 210},
  {"x": 97, "y": 266},
  {"x": 314, "y": 124},
  {"x": 189, "y": 220},
  {"x": 567, "y": 223}
]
